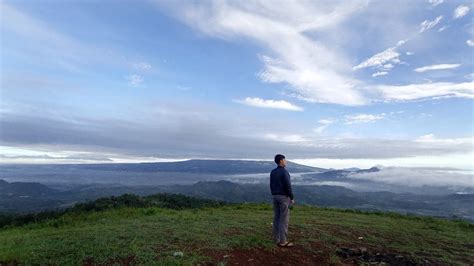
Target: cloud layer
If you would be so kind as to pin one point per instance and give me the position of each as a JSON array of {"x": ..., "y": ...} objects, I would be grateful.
[
  {"x": 437, "y": 67},
  {"x": 184, "y": 131},
  {"x": 313, "y": 70},
  {"x": 418, "y": 177},
  {"x": 273, "y": 104}
]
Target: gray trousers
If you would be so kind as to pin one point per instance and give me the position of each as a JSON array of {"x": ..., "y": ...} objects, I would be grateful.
[{"x": 281, "y": 217}]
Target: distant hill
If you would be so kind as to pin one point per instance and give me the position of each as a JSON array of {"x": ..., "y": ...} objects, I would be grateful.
[
  {"x": 172, "y": 229},
  {"x": 204, "y": 166},
  {"x": 27, "y": 197},
  {"x": 24, "y": 189},
  {"x": 130, "y": 174},
  {"x": 458, "y": 206},
  {"x": 194, "y": 166}
]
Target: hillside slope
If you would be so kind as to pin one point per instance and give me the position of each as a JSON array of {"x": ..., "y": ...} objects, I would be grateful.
[{"x": 187, "y": 230}]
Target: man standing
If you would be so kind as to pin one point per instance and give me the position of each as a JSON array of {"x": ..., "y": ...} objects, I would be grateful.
[{"x": 282, "y": 192}]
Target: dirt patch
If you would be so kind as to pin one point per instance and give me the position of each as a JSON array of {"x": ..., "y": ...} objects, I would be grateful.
[
  {"x": 362, "y": 255},
  {"x": 307, "y": 253},
  {"x": 297, "y": 255}
]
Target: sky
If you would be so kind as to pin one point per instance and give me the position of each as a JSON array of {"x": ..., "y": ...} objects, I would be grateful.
[{"x": 326, "y": 83}]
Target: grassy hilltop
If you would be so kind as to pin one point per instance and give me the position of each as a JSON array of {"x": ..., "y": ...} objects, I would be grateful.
[{"x": 175, "y": 229}]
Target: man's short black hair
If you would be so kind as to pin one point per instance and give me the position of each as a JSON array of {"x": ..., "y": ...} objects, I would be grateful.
[{"x": 278, "y": 158}]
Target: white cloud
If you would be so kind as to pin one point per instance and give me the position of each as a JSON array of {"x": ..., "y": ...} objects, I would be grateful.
[
  {"x": 461, "y": 11},
  {"x": 437, "y": 67},
  {"x": 424, "y": 138},
  {"x": 426, "y": 25},
  {"x": 424, "y": 115},
  {"x": 443, "y": 28},
  {"x": 183, "y": 88},
  {"x": 262, "y": 103},
  {"x": 285, "y": 138},
  {"x": 470, "y": 42},
  {"x": 409, "y": 53},
  {"x": 455, "y": 160},
  {"x": 435, "y": 2},
  {"x": 142, "y": 66},
  {"x": 384, "y": 60},
  {"x": 380, "y": 59},
  {"x": 16, "y": 155},
  {"x": 432, "y": 139},
  {"x": 320, "y": 129},
  {"x": 324, "y": 124},
  {"x": 417, "y": 177},
  {"x": 397, "y": 112},
  {"x": 380, "y": 73},
  {"x": 425, "y": 91},
  {"x": 363, "y": 118},
  {"x": 314, "y": 71},
  {"x": 134, "y": 80},
  {"x": 326, "y": 121}
]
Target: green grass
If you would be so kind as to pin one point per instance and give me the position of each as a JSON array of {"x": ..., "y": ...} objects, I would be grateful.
[{"x": 152, "y": 234}]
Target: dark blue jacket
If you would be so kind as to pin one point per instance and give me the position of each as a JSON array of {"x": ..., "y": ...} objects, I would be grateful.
[{"x": 280, "y": 183}]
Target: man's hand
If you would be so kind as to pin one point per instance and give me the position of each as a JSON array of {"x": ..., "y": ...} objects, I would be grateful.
[{"x": 292, "y": 201}]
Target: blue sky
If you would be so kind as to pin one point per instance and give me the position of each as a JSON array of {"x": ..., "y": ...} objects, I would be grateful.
[{"x": 327, "y": 83}]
